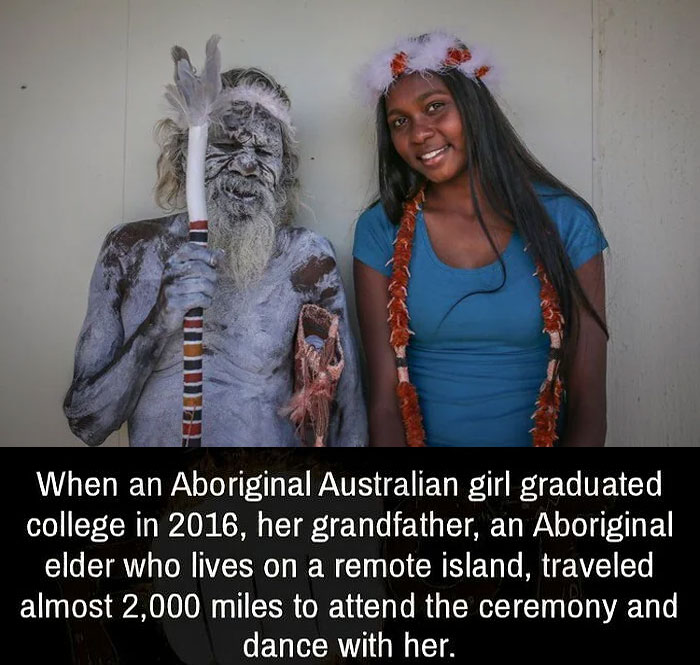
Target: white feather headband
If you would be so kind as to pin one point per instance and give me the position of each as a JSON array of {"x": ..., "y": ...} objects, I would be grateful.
[
  {"x": 250, "y": 93},
  {"x": 259, "y": 94},
  {"x": 434, "y": 52}
]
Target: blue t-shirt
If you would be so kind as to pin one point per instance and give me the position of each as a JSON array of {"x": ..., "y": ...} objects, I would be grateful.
[{"x": 478, "y": 372}]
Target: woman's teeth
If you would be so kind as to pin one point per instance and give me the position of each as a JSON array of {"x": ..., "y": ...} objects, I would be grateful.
[{"x": 432, "y": 154}]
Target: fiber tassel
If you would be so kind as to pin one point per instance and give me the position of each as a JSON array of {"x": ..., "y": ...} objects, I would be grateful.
[
  {"x": 398, "y": 322},
  {"x": 410, "y": 412},
  {"x": 317, "y": 370}
]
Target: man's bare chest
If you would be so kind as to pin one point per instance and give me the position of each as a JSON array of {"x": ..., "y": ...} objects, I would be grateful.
[{"x": 251, "y": 329}]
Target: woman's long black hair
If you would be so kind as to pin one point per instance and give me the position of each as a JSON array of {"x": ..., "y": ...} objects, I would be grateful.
[{"x": 506, "y": 172}]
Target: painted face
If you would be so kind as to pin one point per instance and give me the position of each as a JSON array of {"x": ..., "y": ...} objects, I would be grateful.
[
  {"x": 244, "y": 159},
  {"x": 426, "y": 127}
]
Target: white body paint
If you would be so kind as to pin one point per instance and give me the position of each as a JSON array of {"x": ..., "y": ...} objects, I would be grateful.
[{"x": 126, "y": 371}]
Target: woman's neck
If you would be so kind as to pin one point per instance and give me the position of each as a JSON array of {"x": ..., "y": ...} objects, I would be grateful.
[
  {"x": 455, "y": 196},
  {"x": 455, "y": 199}
]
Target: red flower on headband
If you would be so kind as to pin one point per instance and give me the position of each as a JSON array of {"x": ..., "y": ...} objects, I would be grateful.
[
  {"x": 456, "y": 56},
  {"x": 398, "y": 64},
  {"x": 482, "y": 71}
]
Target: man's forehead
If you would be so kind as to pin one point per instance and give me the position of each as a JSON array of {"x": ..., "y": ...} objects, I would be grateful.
[{"x": 253, "y": 118}]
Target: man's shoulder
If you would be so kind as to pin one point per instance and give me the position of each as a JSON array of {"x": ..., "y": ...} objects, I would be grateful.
[
  {"x": 305, "y": 242},
  {"x": 313, "y": 257},
  {"x": 123, "y": 238}
]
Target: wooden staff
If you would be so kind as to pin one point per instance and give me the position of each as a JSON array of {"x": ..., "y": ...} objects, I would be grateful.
[{"x": 194, "y": 98}]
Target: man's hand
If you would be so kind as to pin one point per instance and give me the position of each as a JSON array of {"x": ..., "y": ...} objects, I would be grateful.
[{"x": 189, "y": 281}]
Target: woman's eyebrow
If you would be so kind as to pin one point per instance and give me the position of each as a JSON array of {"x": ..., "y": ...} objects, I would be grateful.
[
  {"x": 421, "y": 98},
  {"x": 429, "y": 93}
]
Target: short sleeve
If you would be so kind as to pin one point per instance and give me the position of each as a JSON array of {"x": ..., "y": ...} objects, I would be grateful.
[
  {"x": 578, "y": 228},
  {"x": 374, "y": 238}
]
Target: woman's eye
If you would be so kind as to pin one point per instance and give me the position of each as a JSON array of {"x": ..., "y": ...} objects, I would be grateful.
[
  {"x": 434, "y": 106},
  {"x": 262, "y": 152},
  {"x": 398, "y": 122}
]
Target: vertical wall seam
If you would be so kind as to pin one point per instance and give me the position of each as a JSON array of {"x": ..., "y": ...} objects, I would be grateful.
[
  {"x": 126, "y": 104},
  {"x": 122, "y": 438},
  {"x": 594, "y": 100}
]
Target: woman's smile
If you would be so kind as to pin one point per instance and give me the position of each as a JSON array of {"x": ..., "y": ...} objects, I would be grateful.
[{"x": 434, "y": 157}]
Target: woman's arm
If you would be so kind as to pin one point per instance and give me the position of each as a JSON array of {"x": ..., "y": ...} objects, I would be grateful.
[
  {"x": 372, "y": 298},
  {"x": 586, "y": 421}
]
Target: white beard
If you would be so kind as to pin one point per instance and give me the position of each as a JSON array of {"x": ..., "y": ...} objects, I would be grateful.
[{"x": 246, "y": 232}]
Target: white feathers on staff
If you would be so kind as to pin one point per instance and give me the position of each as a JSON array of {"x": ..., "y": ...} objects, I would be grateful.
[{"x": 195, "y": 99}]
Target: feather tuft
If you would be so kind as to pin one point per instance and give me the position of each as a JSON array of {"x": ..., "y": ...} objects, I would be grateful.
[
  {"x": 212, "y": 68},
  {"x": 178, "y": 53},
  {"x": 376, "y": 76},
  {"x": 192, "y": 97},
  {"x": 429, "y": 54}
]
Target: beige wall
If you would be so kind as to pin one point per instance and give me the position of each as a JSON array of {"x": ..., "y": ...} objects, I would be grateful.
[
  {"x": 81, "y": 89},
  {"x": 646, "y": 169}
]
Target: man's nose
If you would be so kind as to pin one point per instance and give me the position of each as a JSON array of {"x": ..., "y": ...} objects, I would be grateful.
[{"x": 244, "y": 162}]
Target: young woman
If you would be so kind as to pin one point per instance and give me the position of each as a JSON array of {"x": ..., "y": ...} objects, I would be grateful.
[{"x": 496, "y": 263}]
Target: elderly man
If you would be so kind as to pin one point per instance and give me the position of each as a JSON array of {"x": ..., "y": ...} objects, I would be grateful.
[{"x": 252, "y": 280}]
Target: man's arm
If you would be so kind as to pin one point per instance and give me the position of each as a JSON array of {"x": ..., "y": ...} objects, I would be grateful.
[{"x": 110, "y": 372}]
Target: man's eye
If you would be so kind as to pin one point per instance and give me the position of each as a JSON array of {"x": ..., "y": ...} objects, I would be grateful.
[
  {"x": 263, "y": 152},
  {"x": 225, "y": 143}
]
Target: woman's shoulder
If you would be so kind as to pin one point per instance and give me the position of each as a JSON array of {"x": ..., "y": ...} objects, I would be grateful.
[
  {"x": 560, "y": 201},
  {"x": 374, "y": 238},
  {"x": 575, "y": 221},
  {"x": 375, "y": 215},
  {"x": 563, "y": 208}
]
